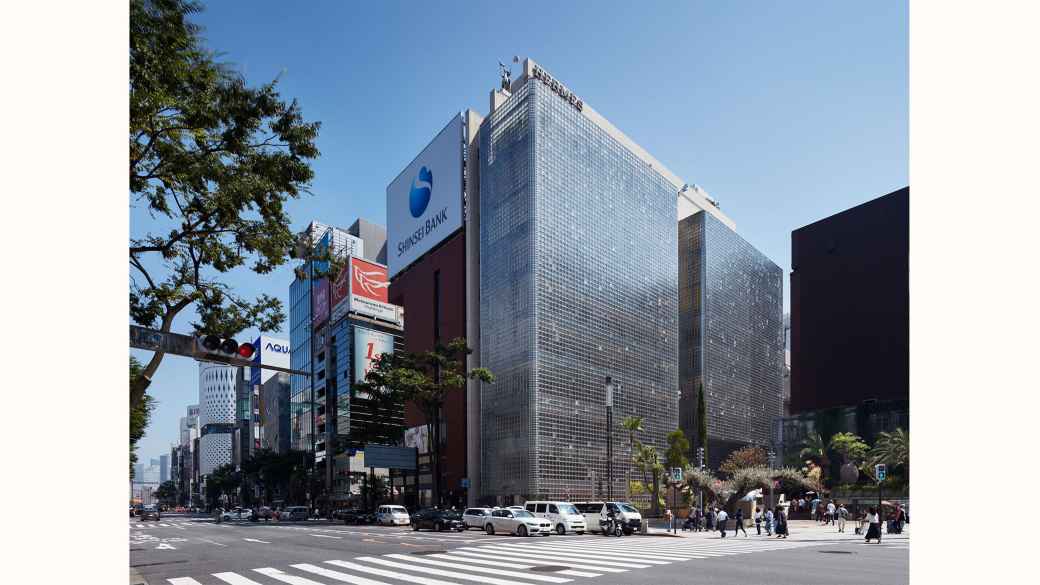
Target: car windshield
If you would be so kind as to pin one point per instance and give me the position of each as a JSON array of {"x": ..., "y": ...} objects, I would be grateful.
[
  {"x": 398, "y": 510},
  {"x": 452, "y": 515},
  {"x": 627, "y": 508},
  {"x": 568, "y": 509},
  {"x": 522, "y": 514}
]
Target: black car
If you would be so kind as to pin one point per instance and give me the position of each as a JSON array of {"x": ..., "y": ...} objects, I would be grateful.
[{"x": 438, "y": 520}]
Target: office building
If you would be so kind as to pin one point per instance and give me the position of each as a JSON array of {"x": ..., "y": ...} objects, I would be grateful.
[
  {"x": 164, "y": 468},
  {"x": 731, "y": 337},
  {"x": 850, "y": 306},
  {"x": 274, "y": 412},
  {"x": 218, "y": 386}
]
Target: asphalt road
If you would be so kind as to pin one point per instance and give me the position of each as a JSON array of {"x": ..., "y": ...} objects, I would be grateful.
[{"x": 182, "y": 550}]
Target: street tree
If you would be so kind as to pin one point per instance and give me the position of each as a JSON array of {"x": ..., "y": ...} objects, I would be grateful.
[
  {"x": 893, "y": 449},
  {"x": 678, "y": 447},
  {"x": 853, "y": 450},
  {"x": 140, "y": 414},
  {"x": 648, "y": 462},
  {"x": 632, "y": 425},
  {"x": 166, "y": 493},
  {"x": 814, "y": 449},
  {"x": 744, "y": 458},
  {"x": 213, "y": 162},
  {"x": 425, "y": 379}
]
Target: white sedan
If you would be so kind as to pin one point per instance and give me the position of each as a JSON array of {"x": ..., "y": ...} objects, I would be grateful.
[
  {"x": 237, "y": 514},
  {"x": 518, "y": 522}
]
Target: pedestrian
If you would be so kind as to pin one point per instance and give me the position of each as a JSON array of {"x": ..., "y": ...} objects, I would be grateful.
[
  {"x": 781, "y": 523},
  {"x": 738, "y": 520},
  {"x": 709, "y": 520},
  {"x": 720, "y": 520},
  {"x": 874, "y": 531},
  {"x": 900, "y": 519},
  {"x": 668, "y": 518},
  {"x": 831, "y": 509},
  {"x": 769, "y": 522},
  {"x": 843, "y": 515},
  {"x": 758, "y": 521}
]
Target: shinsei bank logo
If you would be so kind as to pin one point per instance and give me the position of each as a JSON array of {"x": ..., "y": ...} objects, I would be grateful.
[
  {"x": 419, "y": 197},
  {"x": 418, "y": 200}
]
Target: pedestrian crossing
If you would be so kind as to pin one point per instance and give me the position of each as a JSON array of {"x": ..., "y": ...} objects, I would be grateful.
[
  {"x": 501, "y": 563},
  {"x": 146, "y": 525}
]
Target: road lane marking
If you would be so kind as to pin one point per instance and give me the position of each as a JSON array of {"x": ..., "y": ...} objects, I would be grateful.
[
  {"x": 566, "y": 557},
  {"x": 165, "y": 525},
  {"x": 212, "y": 542},
  {"x": 183, "y": 581},
  {"x": 164, "y": 546},
  {"x": 326, "y": 536},
  {"x": 536, "y": 558},
  {"x": 286, "y": 578},
  {"x": 234, "y": 579},
  {"x": 256, "y": 540},
  {"x": 499, "y": 572},
  {"x": 338, "y": 576},
  {"x": 391, "y": 574}
]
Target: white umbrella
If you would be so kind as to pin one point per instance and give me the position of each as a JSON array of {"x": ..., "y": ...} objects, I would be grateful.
[{"x": 752, "y": 495}]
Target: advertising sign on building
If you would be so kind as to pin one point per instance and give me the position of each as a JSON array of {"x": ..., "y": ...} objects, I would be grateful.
[
  {"x": 320, "y": 302},
  {"x": 369, "y": 345},
  {"x": 270, "y": 351},
  {"x": 368, "y": 291},
  {"x": 424, "y": 202},
  {"x": 418, "y": 437},
  {"x": 341, "y": 294}
]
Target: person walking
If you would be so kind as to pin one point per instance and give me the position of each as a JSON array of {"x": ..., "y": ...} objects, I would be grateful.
[
  {"x": 738, "y": 520},
  {"x": 781, "y": 523},
  {"x": 769, "y": 522},
  {"x": 758, "y": 521},
  {"x": 720, "y": 521},
  {"x": 831, "y": 510},
  {"x": 874, "y": 531},
  {"x": 709, "y": 520},
  {"x": 842, "y": 515}
]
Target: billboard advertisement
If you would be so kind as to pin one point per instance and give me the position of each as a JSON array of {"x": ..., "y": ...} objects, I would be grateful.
[
  {"x": 368, "y": 345},
  {"x": 270, "y": 351},
  {"x": 424, "y": 202},
  {"x": 369, "y": 285},
  {"x": 341, "y": 294},
  {"x": 320, "y": 302}
]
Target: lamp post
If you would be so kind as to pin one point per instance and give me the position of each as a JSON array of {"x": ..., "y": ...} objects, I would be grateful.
[
  {"x": 772, "y": 461},
  {"x": 700, "y": 465},
  {"x": 610, "y": 436}
]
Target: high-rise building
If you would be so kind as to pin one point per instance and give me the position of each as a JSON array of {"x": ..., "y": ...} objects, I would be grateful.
[
  {"x": 731, "y": 337},
  {"x": 218, "y": 386},
  {"x": 850, "y": 306},
  {"x": 164, "y": 468},
  {"x": 274, "y": 412}
]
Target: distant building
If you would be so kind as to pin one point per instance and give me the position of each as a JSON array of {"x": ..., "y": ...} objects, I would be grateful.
[
  {"x": 218, "y": 385},
  {"x": 274, "y": 412},
  {"x": 164, "y": 468}
]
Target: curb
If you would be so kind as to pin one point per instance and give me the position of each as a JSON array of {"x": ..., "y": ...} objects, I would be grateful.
[{"x": 136, "y": 578}]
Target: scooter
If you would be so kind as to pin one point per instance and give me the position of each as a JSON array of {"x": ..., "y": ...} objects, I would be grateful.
[{"x": 610, "y": 526}]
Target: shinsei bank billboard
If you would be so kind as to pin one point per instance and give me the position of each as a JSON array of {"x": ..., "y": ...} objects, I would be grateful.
[{"x": 424, "y": 202}]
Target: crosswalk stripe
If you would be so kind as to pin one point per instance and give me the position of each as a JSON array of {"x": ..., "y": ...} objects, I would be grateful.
[
  {"x": 285, "y": 577},
  {"x": 638, "y": 557},
  {"x": 499, "y": 572},
  {"x": 165, "y": 525},
  {"x": 338, "y": 576},
  {"x": 534, "y": 559},
  {"x": 442, "y": 573},
  {"x": 574, "y": 557},
  {"x": 578, "y": 573},
  {"x": 235, "y": 579},
  {"x": 587, "y": 563},
  {"x": 391, "y": 574},
  {"x": 139, "y": 525},
  {"x": 183, "y": 581}
]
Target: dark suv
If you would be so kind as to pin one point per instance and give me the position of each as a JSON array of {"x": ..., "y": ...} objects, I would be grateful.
[{"x": 438, "y": 520}]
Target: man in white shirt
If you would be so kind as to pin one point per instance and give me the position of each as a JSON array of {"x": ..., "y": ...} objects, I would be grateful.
[
  {"x": 720, "y": 520},
  {"x": 830, "y": 511},
  {"x": 842, "y": 515}
]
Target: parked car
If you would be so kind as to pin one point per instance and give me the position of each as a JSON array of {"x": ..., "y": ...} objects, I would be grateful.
[
  {"x": 238, "y": 513},
  {"x": 264, "y": 513},
  {"x": 180, "y": 509},
  {"x": 562, "y": 515},
  {"x": 150, "y": 511},
  {"x": 294, "y": 513},
  {"x": 625, "y": 513},
  {"x": 392, "y": 516},
  {"x": 439, "y": 520},
  {"x": 475, "y": 518},
  {"x": 518, "y": 522}
]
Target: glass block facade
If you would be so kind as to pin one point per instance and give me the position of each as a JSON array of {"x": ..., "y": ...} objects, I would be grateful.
[
  {"x": 731, "y": 336},
  {"x": 578, "y": 281}
]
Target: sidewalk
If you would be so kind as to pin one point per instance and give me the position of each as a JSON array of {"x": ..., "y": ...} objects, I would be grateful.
[{"x": 800, "y": 530}]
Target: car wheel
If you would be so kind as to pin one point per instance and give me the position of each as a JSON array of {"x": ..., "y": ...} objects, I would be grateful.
[
  {"x": 521, "y": 530},
  {"x": 628, "y": 531},
  {"x": 560, "y": 529},
  {"x": 415, "y": 527},
  {"x": 489, "y": 528},
  {"x": 580, "y": 532},
  {"x": 438, "y": 527}
]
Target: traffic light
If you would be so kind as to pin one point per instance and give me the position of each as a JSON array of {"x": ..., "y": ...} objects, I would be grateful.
[{"x": 221, "y": 347}]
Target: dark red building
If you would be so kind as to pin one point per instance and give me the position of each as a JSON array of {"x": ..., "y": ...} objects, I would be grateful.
[
  {"x": 850, "y": 306},
  {"x": 433, "y": 294}
]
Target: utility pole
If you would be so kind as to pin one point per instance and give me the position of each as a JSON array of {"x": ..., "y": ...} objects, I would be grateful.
[
  {"x": 610, "y": 436},
  {"x": 700, "y": 465},
  {"x": 772, "y": 460}
]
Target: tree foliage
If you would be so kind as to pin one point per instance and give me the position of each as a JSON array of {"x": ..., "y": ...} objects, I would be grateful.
[
  {"x": 744, "y": 458},
  {"x": 678, "y": 447},
  {"x": 892, "y": 449},
  {"x": 648, "y": 462},
  {"x": 814, "y": 449},
  {"x": 424, "y": 379},
  {"x": 632, "y": 425},
  {"x": 850, "y": 446},
  {"x": 213, "y": 161},
  {"x": 167, "y": 492},
  {"x": 140, "y": 414}
]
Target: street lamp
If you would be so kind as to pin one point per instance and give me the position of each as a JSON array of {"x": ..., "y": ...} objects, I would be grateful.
[
  {"x": 610, "y": 384},
  {"x": 700, "y": 465},
  {"x": 772, "y": 461}
]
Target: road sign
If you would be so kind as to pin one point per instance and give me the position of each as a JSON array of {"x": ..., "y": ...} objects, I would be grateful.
[
  {"x": 464, "y": 483},
  {"x": 879, "y": 471},
  {"x": 677, "y": 474}
]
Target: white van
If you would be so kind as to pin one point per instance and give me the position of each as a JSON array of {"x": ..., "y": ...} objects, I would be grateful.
[
  {"x": 630, "y": 518},
  {"x": 393, "y": 516},
  {"x": 563, "y": 516}
]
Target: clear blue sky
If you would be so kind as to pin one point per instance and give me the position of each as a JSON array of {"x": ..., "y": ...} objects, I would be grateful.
[{"x": 786, "y": 112}]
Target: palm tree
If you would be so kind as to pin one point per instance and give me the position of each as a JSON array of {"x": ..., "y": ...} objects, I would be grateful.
[
  {"x": 893, "y": 449},
  {"x": 633, "y": 425},
  {"x": 649, "y": 464},
  {"x": 814, "y": 448}
]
